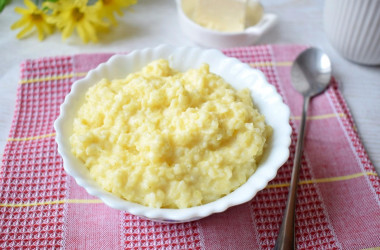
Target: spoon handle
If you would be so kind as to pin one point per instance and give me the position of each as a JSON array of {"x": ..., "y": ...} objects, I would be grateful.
[{"x": 286, "y": 237}]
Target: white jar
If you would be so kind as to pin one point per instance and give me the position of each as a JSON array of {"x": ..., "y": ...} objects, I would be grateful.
[{"x": 353, "y": 28}]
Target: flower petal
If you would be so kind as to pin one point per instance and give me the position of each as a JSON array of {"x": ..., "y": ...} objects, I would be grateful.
[
  {"x": 22, "y": 11},
  {"x": 24, "y": 31},
  {"x": 30, "y": 4},
  {"x": 118, "y": 11},
  {"x": 82, "y": 33},
  {"x": 90, "y": 31},
  {"x": 109, "y": 17},
  {"x": 68, "y": 30},
  {"x": 48, "y": 29},
  {"x": 21, "y": 22},
  {"x": 50, "y": 5},
  {"x": 40, "y": 32}
]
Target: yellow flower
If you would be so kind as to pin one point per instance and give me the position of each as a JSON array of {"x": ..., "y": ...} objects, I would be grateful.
[
  {"x": 32, "y": 17},
  {"x": 70, "y": 15},
  {"x": 106, "y": 8}
]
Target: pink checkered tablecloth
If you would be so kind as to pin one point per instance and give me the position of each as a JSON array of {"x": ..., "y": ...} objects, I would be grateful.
[{"x": 42, "y": 207}]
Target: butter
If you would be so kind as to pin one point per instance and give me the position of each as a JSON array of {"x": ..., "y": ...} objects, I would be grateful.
[
  {"x": 254, "y": 13},
  {"x": 223, "y": 15}
]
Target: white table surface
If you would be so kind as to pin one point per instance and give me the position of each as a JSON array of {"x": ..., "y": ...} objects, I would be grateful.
[{"x": 155, "y": 22}]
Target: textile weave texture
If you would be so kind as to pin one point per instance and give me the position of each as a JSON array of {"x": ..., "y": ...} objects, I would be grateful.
[{"x": 42, "y": 207}]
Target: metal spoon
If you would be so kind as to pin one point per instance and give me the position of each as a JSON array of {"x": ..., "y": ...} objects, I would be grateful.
[{"x": 311, "y": 74}]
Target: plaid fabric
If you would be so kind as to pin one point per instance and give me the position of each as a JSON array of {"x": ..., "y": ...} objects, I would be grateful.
[{"x": 41, "y": 207}]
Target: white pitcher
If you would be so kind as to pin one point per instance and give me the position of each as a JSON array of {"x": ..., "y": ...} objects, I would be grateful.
[{"x": 353, "y": 28}]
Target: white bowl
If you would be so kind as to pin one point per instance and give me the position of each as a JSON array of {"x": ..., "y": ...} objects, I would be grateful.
[
  {"x": 238, "y": 74},
  {"x": 218, "y": 39}
]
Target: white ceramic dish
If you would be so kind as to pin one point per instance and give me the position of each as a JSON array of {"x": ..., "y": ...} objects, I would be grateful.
[
  {"x": 238, "y": 74},
  {"x": 217, "y": 39}
]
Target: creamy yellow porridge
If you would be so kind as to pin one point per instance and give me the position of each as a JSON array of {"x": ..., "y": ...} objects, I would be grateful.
[{"x": 168, "y": 139}]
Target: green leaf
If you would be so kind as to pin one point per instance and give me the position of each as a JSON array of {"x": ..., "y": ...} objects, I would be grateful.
[{"x": 2, "y": 4}]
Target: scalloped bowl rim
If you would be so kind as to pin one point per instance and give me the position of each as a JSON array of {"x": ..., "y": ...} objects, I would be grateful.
[{"x": 265, "y": 97}]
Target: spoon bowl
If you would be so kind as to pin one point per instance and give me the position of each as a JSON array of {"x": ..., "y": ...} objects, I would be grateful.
[{"x": 311, "y": 74}]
